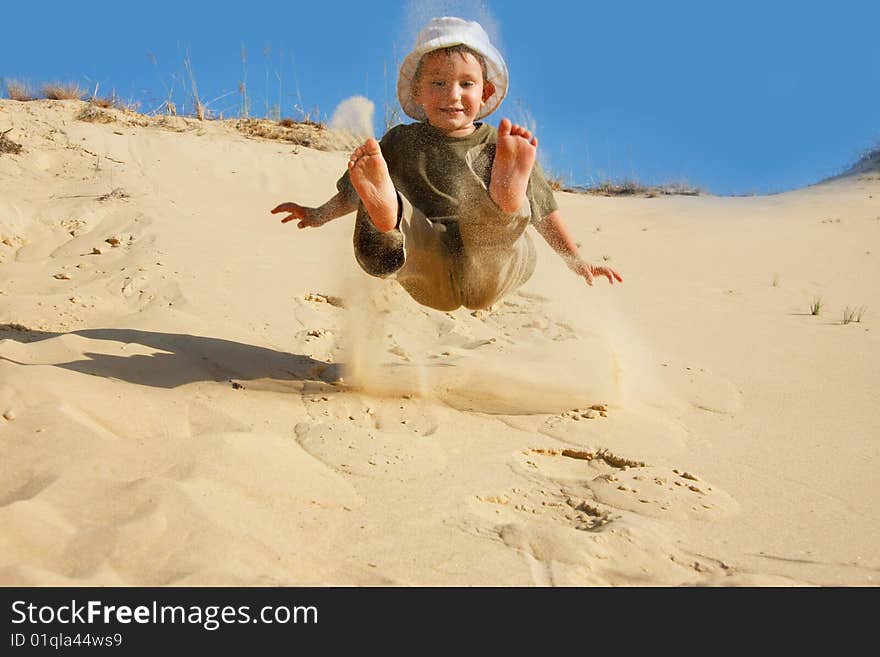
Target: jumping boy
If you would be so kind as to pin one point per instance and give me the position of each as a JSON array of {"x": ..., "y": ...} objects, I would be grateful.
[{"x": 443, "y": 204}]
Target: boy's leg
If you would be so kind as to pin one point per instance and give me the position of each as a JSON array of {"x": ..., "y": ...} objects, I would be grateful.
[
  {"x": 483, "y": 223},
  {"x": 414, "y": 252},
  {"x": 369, "y": 176},
  {"x": 379, "y": 254},
  {"x": 393, "y": 238},
  {"x": 491, "y": 275},
  {"x": 498, "y": 257}
]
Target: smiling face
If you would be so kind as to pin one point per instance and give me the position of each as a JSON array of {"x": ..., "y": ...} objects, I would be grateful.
[{"x": 451, "y": 89}]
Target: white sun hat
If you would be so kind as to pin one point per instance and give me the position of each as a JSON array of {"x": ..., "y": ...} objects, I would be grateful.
[{"x": 443, "y": 33}]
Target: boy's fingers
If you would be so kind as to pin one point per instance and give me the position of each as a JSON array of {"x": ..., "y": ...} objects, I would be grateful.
[
  {"x": 611, "y": 273},
  {"x": 608, "y": 273},
  {"x": 295, "y": 213}
]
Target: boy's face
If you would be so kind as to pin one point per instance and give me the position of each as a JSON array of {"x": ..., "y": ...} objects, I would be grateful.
[{"x": 451, "y": 90}]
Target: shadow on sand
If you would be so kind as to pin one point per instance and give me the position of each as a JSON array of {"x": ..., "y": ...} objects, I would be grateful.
[{"x": 187, "y": 358}]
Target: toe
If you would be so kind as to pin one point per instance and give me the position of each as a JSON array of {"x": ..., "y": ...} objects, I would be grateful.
[
  {"x": 371, "y": 147},
  {"x": 504, "y": 127}
]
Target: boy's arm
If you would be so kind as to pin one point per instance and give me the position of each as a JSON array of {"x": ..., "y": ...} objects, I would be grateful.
[
  {"x": 555, "y": 232},
  {"x": 336, "y": 207}
]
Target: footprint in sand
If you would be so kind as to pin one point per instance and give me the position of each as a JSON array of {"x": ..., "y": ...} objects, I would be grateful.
[
  {"x": 552, "y": 503},
  {"x": 604, "y": 480},
  {"x": 317, "y": 297},
  {"x": 353, "y": 437},
  {"x": 115, "y": 230},
  {"x": 524, "y": 314},
  {"x": 365, "y": 453},
  {"x": 590, "y": 517},
  {"x": 591, "y": 412}
]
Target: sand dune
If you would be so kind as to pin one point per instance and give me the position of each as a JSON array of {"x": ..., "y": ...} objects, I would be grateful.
[{"x": 193, "y": 393}]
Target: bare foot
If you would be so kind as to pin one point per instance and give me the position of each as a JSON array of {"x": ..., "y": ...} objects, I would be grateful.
[
  {"x": 371, "y": 180},
  {"x": 514, "y": 159}
]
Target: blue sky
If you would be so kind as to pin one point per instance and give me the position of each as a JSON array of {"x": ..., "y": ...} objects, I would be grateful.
[{"x": 734, "y": 97}]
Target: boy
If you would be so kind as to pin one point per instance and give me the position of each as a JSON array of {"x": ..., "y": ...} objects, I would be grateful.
[{"x": 443, "y": 204}]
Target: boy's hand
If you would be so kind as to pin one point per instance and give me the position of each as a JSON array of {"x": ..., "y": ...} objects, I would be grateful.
[
  {"x": 588, "y": 272},
  {"x": 308, "y": 217}
]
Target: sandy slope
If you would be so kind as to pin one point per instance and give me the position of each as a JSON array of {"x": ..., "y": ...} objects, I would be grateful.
[{"x": 223, "y": 399}]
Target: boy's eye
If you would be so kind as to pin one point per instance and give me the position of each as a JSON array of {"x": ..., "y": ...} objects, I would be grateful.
[{"x": 437, "y": 83}]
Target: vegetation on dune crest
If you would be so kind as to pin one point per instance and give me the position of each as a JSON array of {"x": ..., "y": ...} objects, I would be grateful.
[{"x": 62, "y": 91}]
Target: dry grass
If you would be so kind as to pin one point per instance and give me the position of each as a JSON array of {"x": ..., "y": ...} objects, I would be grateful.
[
  {"x": 391, "y": 108},
  {"x": 103, "y": 102},
  {"x": 557, "y": 183},
  {"x": 93, "y": 114},
  {"x": 633, "y": 188},
  {"x": 625, "y": 187},
  {"x": 868, "y": 163},
  {"x": 169, "y": 108},
  {"x": 853, "y": 314},
  {"x": 62, "y": 91},
  {"x": 7, "y": 145},
  {"x": 287, "y": 122},
  {"x": 302, "y": 134},
  {"x": 869, "y": 160},
  {"x": 108, "y": 102},
  {"x": 621, "y": 188},
  {"x": 679, "y": 189},
  {"x": 113, "y": 102},
  {"x": 199, "y": 106},
  {"x": 18, "y": 90}
]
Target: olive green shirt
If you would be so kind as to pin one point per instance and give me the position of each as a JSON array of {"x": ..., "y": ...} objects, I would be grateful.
[{"x": 426, "y": 166}]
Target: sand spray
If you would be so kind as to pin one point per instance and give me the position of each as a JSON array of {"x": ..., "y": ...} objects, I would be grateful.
[
  {"x": 354, "y": 115},
  {"x": 533, "y": 353},
  {"x": 417, "y": 14}
]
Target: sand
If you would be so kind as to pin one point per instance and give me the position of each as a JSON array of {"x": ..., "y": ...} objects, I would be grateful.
[{"x": 211, "y": 397}]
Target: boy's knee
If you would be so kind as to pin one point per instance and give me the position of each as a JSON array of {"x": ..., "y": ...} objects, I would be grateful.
[{"x": 379, "y": 254}]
